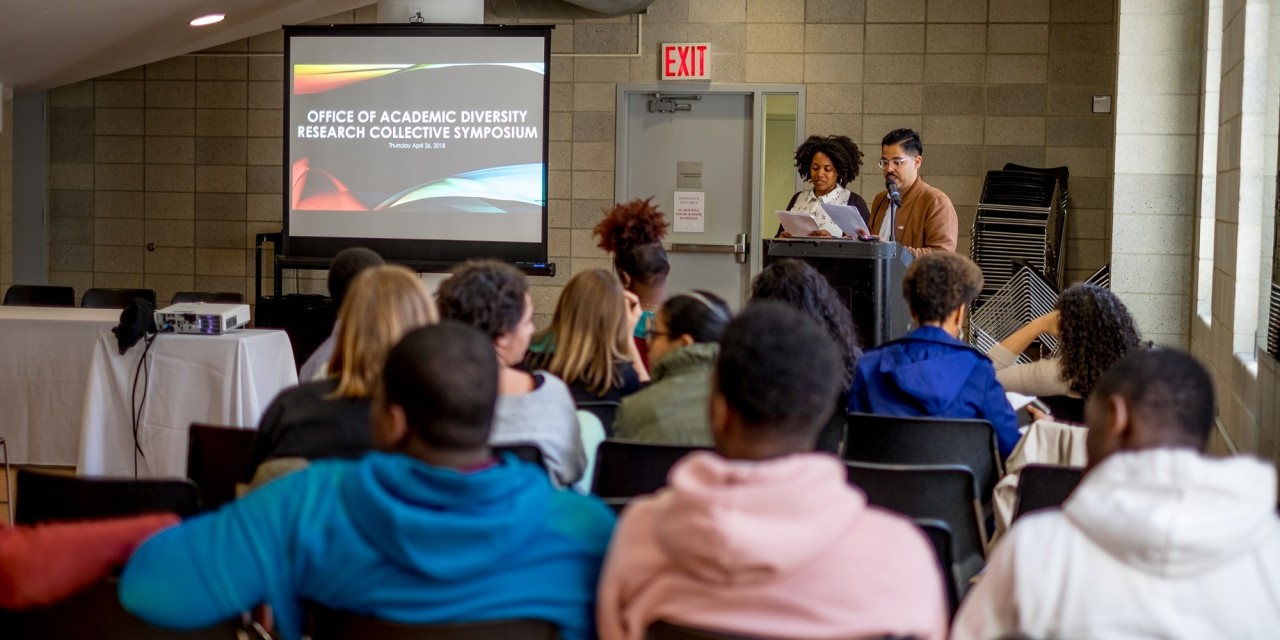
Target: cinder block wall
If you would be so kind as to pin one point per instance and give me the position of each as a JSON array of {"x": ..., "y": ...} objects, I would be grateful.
[
  {"x": 6, "y": 196},
  {"x": 185, "y": 153}
]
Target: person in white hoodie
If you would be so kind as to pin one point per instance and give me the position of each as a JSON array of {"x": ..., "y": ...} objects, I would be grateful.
[
  {"x": 765, "y": 537},
  {"x": 1158, "y": 541}
]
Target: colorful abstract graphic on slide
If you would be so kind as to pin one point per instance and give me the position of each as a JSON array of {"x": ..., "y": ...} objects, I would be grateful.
[{"x": 417, "y": 138}]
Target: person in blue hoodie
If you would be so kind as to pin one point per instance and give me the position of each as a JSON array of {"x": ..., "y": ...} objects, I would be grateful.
[
  {"x": 432, "y": 528},
  {"x": 929, "y": 371}
]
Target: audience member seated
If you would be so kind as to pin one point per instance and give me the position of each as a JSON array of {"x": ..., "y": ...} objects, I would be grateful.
[
  {"x": 765, "y": 537},
  {"x": 633, "y": 233},
  {"x": 345, "y": 267},
  {"x": 430, "y": 529},
  {"x": 1157, "y": 541},
  {"x": 1094, "y": 331},
  {"x": 800, "y": 286},
  {"x": 683, "y": 342},
  {"x": 930, "y": 371},
  {"x": 330, "y": 418},
  {"x": 533, "y": 408},
  {"x": 588, "y": 344},
  {"x": 43, "y": 564}
]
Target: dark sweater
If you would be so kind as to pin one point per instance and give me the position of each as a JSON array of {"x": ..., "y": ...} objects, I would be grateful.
[{"x": 303, "y": 423}]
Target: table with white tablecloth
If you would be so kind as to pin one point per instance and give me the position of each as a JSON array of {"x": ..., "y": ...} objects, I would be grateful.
[
  {"x": 44, "y": 361},
  {"x": 226, "y": 380}
]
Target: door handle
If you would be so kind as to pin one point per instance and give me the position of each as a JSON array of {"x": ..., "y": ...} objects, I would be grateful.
[{"x": 740, "y": 248}]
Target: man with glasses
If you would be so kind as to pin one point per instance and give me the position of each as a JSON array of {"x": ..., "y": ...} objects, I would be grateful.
[{"x": 926, "y": 220}]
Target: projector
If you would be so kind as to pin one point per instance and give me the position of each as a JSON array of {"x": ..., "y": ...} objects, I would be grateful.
[{"x": 202, "y": 318}]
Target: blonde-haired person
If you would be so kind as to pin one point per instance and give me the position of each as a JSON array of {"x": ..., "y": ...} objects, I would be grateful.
[
  {"x": 588, "y": 344},
  {"x": 329, "y": 418}
]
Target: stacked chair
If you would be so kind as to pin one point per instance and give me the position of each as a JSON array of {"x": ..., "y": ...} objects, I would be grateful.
[{"x": 1021, "y": 215}]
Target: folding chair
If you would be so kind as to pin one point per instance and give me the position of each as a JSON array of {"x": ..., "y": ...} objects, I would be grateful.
[
  {"x": 1043, "y": 486},
  {"x": 939, "y": 535},
  {"x": 329, "y": 624},
  {"x": 217, "y": 460},
  {"x": 526, "y": 452},
  {"x": 662, "y": 630},
  {"x": 95, "y": 612},
  {"x": 37, "y": 295},
  {"x": 43, "y": 497},
  {"x": 592, "y": 433},
  {"x": 101, "y": 298},
  {"x": 932, "y": 492},
  {"x": 627, "y": 469},
  {"x": 915, "y": 441},
  {"x": 605, "y": 410}
]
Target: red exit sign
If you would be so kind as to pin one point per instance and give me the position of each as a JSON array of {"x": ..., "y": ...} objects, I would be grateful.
[{"x": 686, "y": 61}]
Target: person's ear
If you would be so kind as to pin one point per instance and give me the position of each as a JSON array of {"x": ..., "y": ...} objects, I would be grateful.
[
  {"x": 625, "y": 278},
  {"x": 502, "y": 345},
  {"x": 916, "y": 160},
  {"x": 391, "y": 426},
  {"x": 718, "y": 417},
  {"x": 684, "y": 340},
  {"x": 1119, "y": 428}
]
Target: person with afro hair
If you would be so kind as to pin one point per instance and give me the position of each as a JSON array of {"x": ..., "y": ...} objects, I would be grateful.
[
  {"x": 828, "y": 164},
  {"x": 632, "y": 232}
]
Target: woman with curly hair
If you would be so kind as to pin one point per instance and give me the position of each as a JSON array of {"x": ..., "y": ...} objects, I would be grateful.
[
  {"x": 1094, "y": 331},
  {"x": 799, "y": 285},
  {"x": 633, "y": 233},
  {"x": 829, "y": 163}
]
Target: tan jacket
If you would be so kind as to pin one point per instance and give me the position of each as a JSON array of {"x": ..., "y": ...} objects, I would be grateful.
[{"x": 926, "y": 220}]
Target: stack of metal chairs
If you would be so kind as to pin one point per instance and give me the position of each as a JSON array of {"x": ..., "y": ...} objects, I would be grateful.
[
  {"x": 1026, "y": 295},
  {"x": 1021, "y": 215}
]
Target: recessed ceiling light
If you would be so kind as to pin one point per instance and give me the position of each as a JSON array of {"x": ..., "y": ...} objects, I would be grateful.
[{"x": 212, "y": 18}]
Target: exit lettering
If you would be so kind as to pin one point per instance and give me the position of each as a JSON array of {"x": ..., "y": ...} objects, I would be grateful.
[{"x": 686, "y": 61}]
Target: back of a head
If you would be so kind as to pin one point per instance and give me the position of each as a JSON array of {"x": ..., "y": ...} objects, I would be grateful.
[
  {"x": 798, "y": 285},
  {"x": 778, "y": 370},
  {"x": 1168, "y": 393},
  {"x": 633, "y": 233},
  {"x": 346, "y": 266},
  {"x": 938, "y": 283},
  {"x": 486, "y": 294},
  {"x": 446, "y": 405},
  {"x": 590, "y": 332},
  {"x": 382, "y": 304},
  {"x": 908, "y": 138},
  {"x": 701, "y": 315},
  {"x": 1095, "y": 331}
]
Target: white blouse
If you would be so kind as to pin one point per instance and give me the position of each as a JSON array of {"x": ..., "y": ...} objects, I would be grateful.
[
  {"x": 812, "y": 204},
  {"x": 1039, "y": 378}
]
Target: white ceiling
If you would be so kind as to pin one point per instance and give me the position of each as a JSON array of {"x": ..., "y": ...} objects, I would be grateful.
[{"x": 50, "y": 43}]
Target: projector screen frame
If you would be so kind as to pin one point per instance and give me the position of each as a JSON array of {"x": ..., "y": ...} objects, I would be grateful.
[{"x": 421, "y": 254}]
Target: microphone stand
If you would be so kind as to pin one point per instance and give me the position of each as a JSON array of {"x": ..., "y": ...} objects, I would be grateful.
[{"x": 895, "y": 200}]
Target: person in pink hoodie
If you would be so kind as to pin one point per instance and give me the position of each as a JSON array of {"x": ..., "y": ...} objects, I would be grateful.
[{"x": 764, "y": 537}]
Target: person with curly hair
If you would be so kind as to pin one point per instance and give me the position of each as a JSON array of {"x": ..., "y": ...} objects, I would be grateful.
[
  {"x": 930, "y": 371},
  {"x": 1094, "y": 331},
  {"x": 798, "y": 285},
  {"x": 632, "y": 232},
  {"x": 829, "y": 164}
]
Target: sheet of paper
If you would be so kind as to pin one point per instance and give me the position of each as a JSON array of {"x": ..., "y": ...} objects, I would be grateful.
[
  {"x": 1017, "y": 400},
  {"x": 848, "y": 218},
  {"x": 798, "y": 224},
  {"x": 691, "y": 211}
]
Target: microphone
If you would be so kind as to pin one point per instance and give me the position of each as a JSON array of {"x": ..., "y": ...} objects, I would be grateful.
[{"x": 892, "y": 188}]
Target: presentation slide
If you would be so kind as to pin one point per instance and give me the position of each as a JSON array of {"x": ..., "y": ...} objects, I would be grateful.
[{"x": 406, "y": 142}]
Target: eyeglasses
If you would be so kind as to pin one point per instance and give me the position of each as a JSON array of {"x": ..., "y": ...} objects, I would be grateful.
[
  {"x": 650, "y": 334},
  {"x": 897, "y": 162}
]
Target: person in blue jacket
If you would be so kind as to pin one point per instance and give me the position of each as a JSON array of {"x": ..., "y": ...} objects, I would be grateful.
[
  {"x": 430, "y": 529},
  {"x": 929, "y": 371}
]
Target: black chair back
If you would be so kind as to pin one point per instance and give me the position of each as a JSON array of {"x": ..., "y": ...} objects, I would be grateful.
[
  {"x": 329, "y": 624},
  {"x": 218, "y": 459},
  {"x": 95, "y": 612},
  {"x": 1065, "y": 408},
  {"x": 36, "y": 295},
  {"x": 44, "y": 497},
  {"x": 100, "y": 298},
  {"x": 605, "y": 410},
  {"x": 939, "y": 535},
  {"x": 1043, "y": 486},
  {"x": 628, "y": 469},
  {"x": 218, "y": 297},
  {"x": 933, "y": 492},
  {"x": 899, "y": 440},
  {"x": 524, "y": 451},
  {"x": 662, "y": 630}
]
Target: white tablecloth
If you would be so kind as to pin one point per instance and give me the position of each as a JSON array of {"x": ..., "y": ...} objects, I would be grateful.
[
  {"x": 44, "y": 362},
  {"x": 223, "y": 380}
]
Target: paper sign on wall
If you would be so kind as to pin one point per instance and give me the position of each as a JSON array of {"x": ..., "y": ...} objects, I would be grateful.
[{"x": 690, "y": 211}]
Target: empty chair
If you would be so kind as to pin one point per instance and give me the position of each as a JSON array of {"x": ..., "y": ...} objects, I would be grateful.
[
  {"x": 934, "y": 492},
  {"x": 44, "y": 497},
  {"x": 100, "y": 298},
  {"x": 629, "y": 469},
  {"x": 939, "y": 535},
  {"x": 605, "y": 410},
  {"x": 95, "y": 612},
  {"x": 902, "y": 440},
  {"x": 218, "y": 459},
  {"x": 328, "y": 624},
  {"x": 1065, "y": 408},
  {"x": 1043, "y": 486},
  {"x": 37, "y": 295},
  {"x": 220, "y": 297}
]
